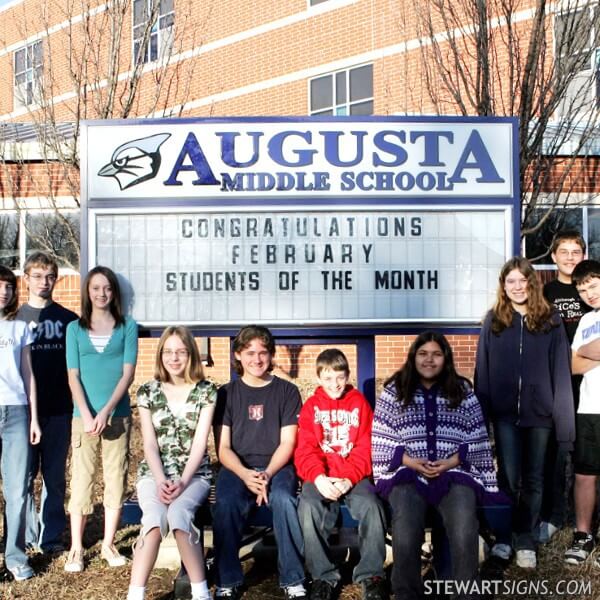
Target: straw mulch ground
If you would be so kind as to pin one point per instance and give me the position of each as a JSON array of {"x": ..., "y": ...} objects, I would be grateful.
[{"x": 99, "y": 582}]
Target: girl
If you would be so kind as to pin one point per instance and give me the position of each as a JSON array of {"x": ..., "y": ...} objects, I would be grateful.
[
  {"x": 176, "y": 411},
  {"x": 523, "y": 380},
  {"x": 101, "y": 357},
  {"x": 18, "y": 422},
  {"x": 430, "y": 448}
]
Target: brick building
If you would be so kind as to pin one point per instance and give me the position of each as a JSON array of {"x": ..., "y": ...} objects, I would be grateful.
[{"x": 62, "y": 61}]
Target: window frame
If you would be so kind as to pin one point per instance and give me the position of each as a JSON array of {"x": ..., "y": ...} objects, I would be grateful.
[
  {"x": 593, "y": 43},
  {"x": 27, "y": 92},
  {"x": 163, "y": 36},
  {"x": 342, "y": 107},
  {"x": 23, "y": 250}
]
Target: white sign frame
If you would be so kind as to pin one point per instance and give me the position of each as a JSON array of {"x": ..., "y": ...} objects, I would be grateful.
[{"x": 98, "y": 199}]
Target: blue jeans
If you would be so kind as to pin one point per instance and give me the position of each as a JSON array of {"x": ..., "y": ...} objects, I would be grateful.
[
  {"x": 521, "y": 455},
  {"x": 458, "y": 509},
  {"x": 318, "y": 517},
  {"x": 230, "y": 514},
  {"x": 50, "y": 457},
  {"x": 557, "y": 484},
  {"x": 14, "y": 464}
]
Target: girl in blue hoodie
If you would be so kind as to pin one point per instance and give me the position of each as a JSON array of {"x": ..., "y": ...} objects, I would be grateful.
[{"x": 522, "y": 379}]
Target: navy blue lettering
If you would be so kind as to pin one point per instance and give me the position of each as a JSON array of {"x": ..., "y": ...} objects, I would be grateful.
[
  {"x": 481, "y": 161},
  {"x": 191, "y": 149},
  {"x": 431, "y": 140},
  {"x": 276, "y": 149},
  {"x": 381, "y": 143},
  {"x": 228, "y": 148}
]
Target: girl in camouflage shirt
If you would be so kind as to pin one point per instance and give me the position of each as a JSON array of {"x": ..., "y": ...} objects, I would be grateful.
[{"x": 176, "y": 411}]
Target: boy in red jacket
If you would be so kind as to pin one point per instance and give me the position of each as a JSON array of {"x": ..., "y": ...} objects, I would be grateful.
[{"x": 333, "y": 459}]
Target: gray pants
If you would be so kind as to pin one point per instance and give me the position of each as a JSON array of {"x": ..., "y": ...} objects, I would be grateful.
[
  {"x": 458, "y": 510},
  {"x": 318, "y": 517}
]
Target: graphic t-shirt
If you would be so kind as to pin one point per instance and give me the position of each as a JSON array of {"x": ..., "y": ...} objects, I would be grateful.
[
  {"x": 256, "y": 416},
  {"x": 14, "y": 336},
  {"x": 334, "y": 437},
  {"x": 588, "y": 331},
  {"x": 569, "y": 305},
  {"x": 49, "y": 328}
]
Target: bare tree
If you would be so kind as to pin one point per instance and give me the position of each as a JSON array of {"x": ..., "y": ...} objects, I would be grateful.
[
  {"x": 536, "y": 61},
  {"x": 88, "y": 69}
]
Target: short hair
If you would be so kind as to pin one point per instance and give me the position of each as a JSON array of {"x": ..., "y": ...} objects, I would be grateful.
[
  {"x": 585, "y": 270},
  {"x": 40, "y": 260},
  {"x": 193, "y": 370},
  {"x": 86, "y": 304},
  {"x": 333, "y": 359},
  {"x": 244, "y": 338},
  {"x": 10, "y": 310},
  {"x": 567, "y": 235}
]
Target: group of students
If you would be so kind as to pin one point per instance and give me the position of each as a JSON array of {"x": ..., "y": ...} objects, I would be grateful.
[{"x": 426, "y": 443}]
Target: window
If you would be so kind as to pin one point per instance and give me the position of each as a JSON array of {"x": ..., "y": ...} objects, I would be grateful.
[
  {"x": 576, "y": 37},
  {"x": 24, "y": 232},
  {"x": 55, "y": 234},
  {"x": 348, "y": 92},
  {"x": 585, "y": 219},
  {"x": 315, "y": 2},
  {"x": 537, "y": 245},
  {"x": 9, "y": 240},
  {"x": 157, "y": 43},
  {"x": 28, "y": 74}
]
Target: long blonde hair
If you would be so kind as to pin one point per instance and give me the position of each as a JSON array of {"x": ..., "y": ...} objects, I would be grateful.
[
  {"x": 539, "y": 311},
  {"x": 193, "y": 370}
]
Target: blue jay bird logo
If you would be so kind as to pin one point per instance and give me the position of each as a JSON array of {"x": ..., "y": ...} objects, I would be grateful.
[{"x": 135, "y": 161}]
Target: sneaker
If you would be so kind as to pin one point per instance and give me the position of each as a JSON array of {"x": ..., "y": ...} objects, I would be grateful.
[
  {"x": 526, "y": 559},
  {"x": 321, "y": 590},
  {"x": 295, "y": 592},
  {"x": 501, "y": 551},
  {"x": 22, "y": 572},
  {"x": 583, "y": 544},
  {"x": 546, "y": 532},
  {"x": 229, "y": 593},
  {"x": 74, "y": 563},
  {"x": 374, "y": 588},
  {"x": 111, "y": 555}
]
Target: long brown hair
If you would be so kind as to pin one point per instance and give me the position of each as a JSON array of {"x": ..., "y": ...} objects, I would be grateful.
[
  {"x": 193, "y": 369},
  {"x": 10, "y": 310},
  {"x": 454, "y": 387},
  {"x": 244, "y": 338},
  {"x": 539, "y": 311},
  {"x": 115, "y": 304}
]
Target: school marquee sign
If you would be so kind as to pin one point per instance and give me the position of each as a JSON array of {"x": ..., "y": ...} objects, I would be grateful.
[{"x": 216, "y": 222}]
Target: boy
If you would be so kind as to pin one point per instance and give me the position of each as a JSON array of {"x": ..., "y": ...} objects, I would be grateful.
[
  {"x": 568, "y": 250},
  {"x": 48, "y": 322},
  {"x": 333, "y": 459},
  {"x": 586, "y": 361},
  {"x": 255, "y": 433}
]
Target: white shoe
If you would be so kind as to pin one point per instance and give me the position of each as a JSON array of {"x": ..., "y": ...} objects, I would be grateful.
[
  {"x": 502, "y": 551},
  {"x": 526, "y": 559},
  {"x": 74, "y": 562}
]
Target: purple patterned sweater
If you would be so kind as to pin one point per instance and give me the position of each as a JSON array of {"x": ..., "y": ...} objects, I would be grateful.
[{"x": 428, "y": 428}]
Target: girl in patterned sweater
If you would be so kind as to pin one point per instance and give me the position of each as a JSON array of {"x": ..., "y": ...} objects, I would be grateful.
[
  {"x": 176, "y": 411},
  {"x": 430, "y": 448}
]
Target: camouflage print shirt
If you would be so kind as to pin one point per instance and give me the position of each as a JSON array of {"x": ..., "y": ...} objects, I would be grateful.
[{"x": 175, "y": 434}]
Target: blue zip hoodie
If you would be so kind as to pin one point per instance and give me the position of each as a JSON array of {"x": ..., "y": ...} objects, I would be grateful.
[{"x": 525, "y": 378}]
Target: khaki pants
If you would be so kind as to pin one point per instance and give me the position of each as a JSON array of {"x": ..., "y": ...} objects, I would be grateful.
[{"x": 114, "y": 442}]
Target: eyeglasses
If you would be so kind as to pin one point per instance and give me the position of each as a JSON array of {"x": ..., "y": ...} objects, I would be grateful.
[
  {"x": 175, "y": 353},
  {"x": 38, "y": 278}
]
